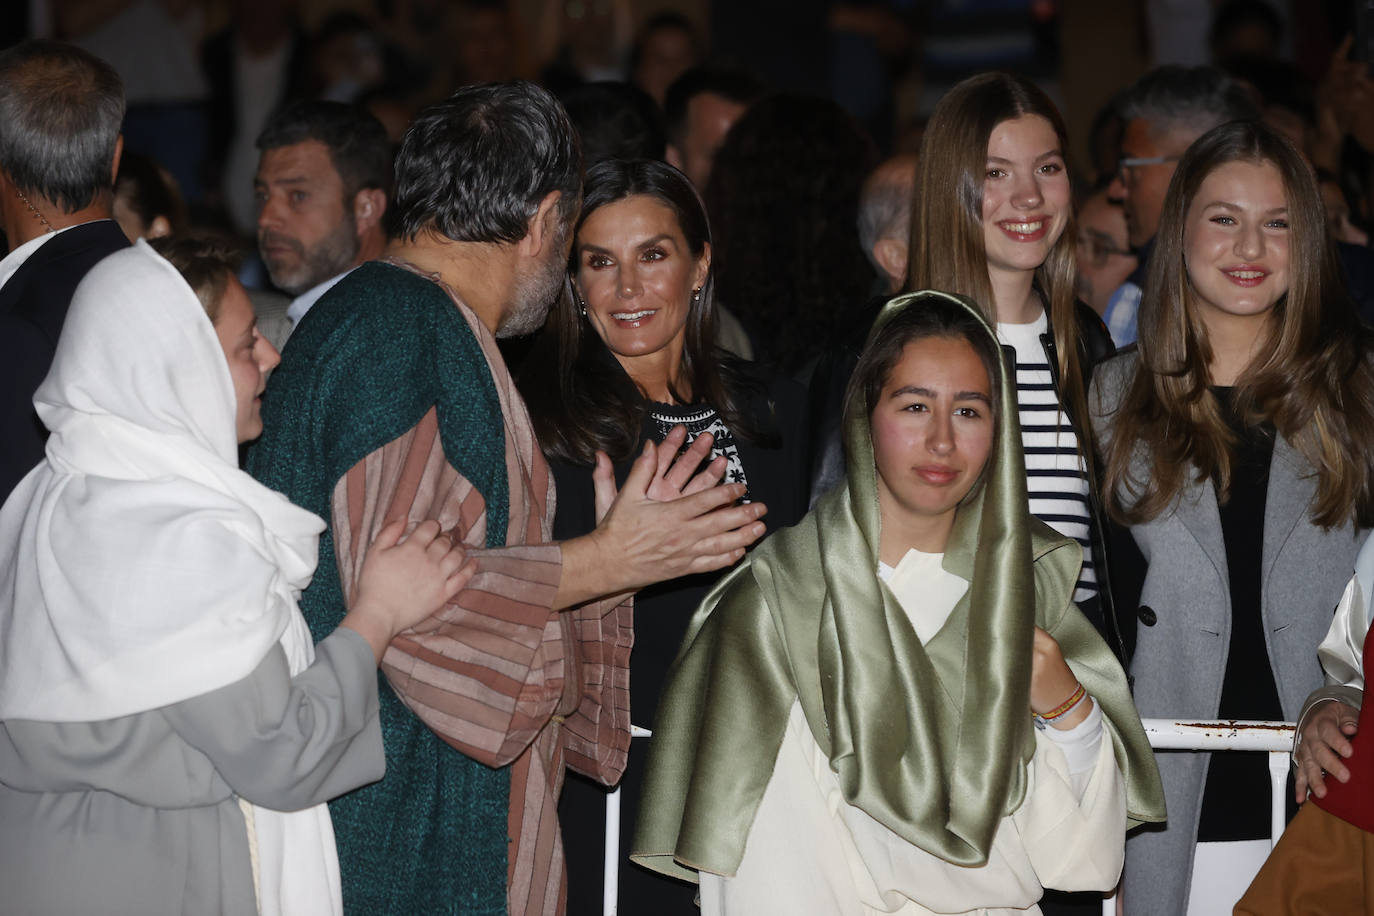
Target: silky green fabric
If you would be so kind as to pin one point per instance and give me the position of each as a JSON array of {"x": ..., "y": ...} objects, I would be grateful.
[{"x": 931, "y": 741}]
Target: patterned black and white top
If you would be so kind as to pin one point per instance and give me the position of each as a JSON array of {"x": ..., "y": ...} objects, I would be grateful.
[
  {"x": 700, "y": 418},
  {"x": 1056, "y": 475}
]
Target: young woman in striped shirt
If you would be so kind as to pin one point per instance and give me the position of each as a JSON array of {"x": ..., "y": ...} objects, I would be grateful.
[{"x": 992, "y": 219}]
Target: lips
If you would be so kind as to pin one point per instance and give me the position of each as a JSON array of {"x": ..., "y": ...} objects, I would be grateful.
[
  {"x": 939, "y": 475},
  {"x": 273, "y": 245},
  {"x": 1025, "y": 230},
  {"x": 635, "y": 318},
  {"x": 1246, "y": 275}
]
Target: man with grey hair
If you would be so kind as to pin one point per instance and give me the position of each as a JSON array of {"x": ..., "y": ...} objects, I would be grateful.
[
  {"x": 1164, "y": 112},
  {"x": 59, "y": 150},
  {"x": 885, "y": 218},
  {"x": 393, "y": 401}
]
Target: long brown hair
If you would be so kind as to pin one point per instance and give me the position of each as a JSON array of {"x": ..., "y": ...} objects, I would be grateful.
[
  {"x": 579, "y": 397},
  {"x": 947, "y": 250},
  {"x": 1310, "y": 376}
]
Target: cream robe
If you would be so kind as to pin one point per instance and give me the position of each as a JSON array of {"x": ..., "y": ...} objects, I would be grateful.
[{"x": 810, "y": 852}]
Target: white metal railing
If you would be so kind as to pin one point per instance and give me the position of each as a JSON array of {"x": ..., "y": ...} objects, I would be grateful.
[
  {"x": 1275, "y": 738},
  {"x": 610, "y": 870},
  {"x": 1228, "y": 735}
]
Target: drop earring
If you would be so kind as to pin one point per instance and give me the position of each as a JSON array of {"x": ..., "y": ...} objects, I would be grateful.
[
  {"x": 582, "y": 305},
  {"x": 696, "y": 294}
]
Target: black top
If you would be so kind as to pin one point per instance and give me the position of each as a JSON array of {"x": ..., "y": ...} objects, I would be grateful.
[
  {"x": 1232, "y": 806},
  {"x": 775, "y": 476},
  {"x": 33, "y": 308}
]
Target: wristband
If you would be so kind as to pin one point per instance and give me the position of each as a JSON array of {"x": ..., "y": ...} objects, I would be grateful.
[{"x": 1064, "y": 708}]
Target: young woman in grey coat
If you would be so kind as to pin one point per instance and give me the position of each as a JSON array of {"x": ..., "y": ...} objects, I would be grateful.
[
  {"x": 1236, "y": 443},
  {"x": 167, "y": 735}
]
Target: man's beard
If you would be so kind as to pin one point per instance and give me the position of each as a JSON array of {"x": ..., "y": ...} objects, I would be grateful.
[
  {"x": 535, "y": 292},
  {"x": 331, "y": 256}
]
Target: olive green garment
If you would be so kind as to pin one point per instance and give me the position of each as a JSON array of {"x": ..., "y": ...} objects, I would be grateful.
[{"x": 931, "y": 741}]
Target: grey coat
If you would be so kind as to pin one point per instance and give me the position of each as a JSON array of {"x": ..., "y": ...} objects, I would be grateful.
[
  {"x": 1181, "y": 648},
  {"x": 139, "y": 815}
]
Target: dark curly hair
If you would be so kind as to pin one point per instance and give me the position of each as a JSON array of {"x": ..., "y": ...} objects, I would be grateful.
[{"x": 784, "y": 198}]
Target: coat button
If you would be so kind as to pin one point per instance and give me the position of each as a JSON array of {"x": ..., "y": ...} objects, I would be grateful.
[{"x": 1147, "y": 616}]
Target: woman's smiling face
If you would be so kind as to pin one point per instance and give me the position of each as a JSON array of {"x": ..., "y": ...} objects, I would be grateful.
[
  {"x": 636, "y": 275},
  {"x": 250, "y": 356},
  {"x": 1026, "y": 194},
  {"x": 1235, "y": 243}
]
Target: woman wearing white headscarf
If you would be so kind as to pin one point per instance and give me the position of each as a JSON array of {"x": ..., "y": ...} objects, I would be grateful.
[{"x": 161, "y": 704}]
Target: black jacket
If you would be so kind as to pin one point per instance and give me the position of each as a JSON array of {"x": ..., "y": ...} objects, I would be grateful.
[
  {"x": 33, "y": 306},
  {"x": 776, "y": 473},
  {"x": 1094, "y": 346}
]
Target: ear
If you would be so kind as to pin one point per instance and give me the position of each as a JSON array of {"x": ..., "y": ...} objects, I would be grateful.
[
  {"x": 703, "y": 269},
  {"x": 159, "y": 227},
  {"x": 543, "y": 226},
  {"x": 118, "y": 154},
  {"x": 674, "y": 157},
  {"x": 891, "y": 255},
  {"x": 368, "y": 206}
]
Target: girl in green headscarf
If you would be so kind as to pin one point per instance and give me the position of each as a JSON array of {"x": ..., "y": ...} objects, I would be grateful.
[{"x": 894, "y": 707}]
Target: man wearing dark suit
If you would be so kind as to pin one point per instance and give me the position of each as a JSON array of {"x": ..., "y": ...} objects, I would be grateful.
[{"x": 62, "y": 109}]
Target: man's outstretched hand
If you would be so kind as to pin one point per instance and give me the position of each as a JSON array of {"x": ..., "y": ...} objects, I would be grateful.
[{"x": 668, "y": 520}]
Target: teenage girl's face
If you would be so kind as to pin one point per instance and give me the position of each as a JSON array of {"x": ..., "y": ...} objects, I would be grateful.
[
  {"x": 932, "y": 430},
  {"x": 637, "y": 274},
  {"x": 250, "y": 355},
  {"x": 1026, "y": 196},
  {"x": 1235, "y": 243}
]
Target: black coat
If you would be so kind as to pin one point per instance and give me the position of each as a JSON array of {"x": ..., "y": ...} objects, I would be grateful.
[
  {"x": 777, "y": 478},
  {"x": 33, "y": 307}
]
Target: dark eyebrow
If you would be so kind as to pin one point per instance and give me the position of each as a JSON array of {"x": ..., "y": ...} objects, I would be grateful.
[
  {"x": 927, "y": 393},
  {"x": 1052, "y": 154},
  {"x": 1227, "y": 205},
  {"x": 647, "y": 243}
]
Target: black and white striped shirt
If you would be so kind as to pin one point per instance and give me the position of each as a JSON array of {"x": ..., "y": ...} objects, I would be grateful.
[{"x": 1056, "y": 476}]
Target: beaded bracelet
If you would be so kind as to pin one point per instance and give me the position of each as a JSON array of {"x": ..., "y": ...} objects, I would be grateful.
[{"x": 1064, "y": 708}]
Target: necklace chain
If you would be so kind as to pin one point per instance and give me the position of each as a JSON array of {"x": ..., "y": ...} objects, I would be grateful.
[{"x": 34, "y": 210}]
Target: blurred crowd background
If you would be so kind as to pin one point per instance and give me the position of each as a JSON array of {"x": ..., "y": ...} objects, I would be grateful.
[{"x": 203, "y": 76}]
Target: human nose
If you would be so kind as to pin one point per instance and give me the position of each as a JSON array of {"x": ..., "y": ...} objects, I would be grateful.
[
  {"x": 628, "y": 285},
  {"x": 268, "y": 356},
  {"x": 940, "y": 434},
  {"x": 1026, "y": 194},
  {"x": 269, "y": 211},
  {"x": 1116, "y": 189},
  {"x": 1250, "y": 243}
]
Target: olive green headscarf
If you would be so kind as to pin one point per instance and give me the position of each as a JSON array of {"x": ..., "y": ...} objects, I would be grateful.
[{"x": 932, "y": 741}]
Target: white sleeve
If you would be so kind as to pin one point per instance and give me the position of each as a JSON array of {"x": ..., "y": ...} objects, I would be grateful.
[
  {"x": 1079, "y": 745},
  {"x": 1075, "y": 840},
  {"x": 1341, "y": 652}
]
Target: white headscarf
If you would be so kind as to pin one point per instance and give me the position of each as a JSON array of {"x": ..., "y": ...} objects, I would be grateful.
[{"x": 139, "y": 566}]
